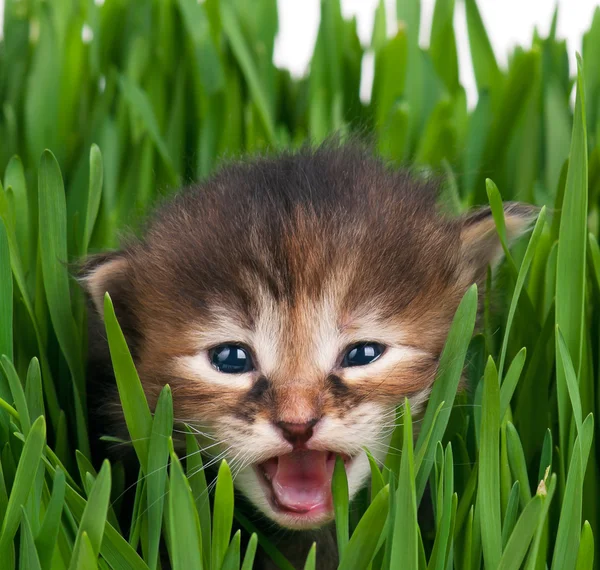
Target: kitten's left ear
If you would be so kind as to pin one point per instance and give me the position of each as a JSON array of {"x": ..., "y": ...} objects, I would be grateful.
[{"x": 480, "y": 244}]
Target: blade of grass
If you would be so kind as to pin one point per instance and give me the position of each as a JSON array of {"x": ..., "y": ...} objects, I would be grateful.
[
  {"x": 585, "y": 556},
  {"x": 512, "y": 511},
  {"x": 568, "y": 534},
  {"x": 510, "y": 380},
  {"x": 18, "y": 394},
  {"x": 29, "y": 559},
  {"x": 222, "y": 515},
  {"x": 93, "y": 519},
  {"x": 156, "y": 479},
  {"x": 311, "y": 559},
  {"x": 6, "y": 296},
  {"x": 489, "y": 479},
  {"x": 518, "y": 465},
  {"x": 33, "y": 389},
  {"x": 53, "y": 235},
  {"x": 242, "y": 53},
  {"x": 444, "y": 389},
  {"x": 135, "y": 407},
  {"x": 45, "y": 541},
  {"x": 248, "y": 562},
  {"x": 405, "y": 538},
  {"x": 24, "y": 477},
  {"x": 364, "y": 540},
  {"x": 231, "y": 561},
  {"x": 519, "y": 540},
  {"x": 197, "y": 480},
  {"x": 571, "y": 256},
  {"x": 186, "y": 547},
  {"x": 523, "y": 270},
  {"x": 339, "y": 486},
  {"x": 93, "y": 197}
]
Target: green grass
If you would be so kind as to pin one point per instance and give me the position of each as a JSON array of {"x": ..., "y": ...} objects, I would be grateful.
[{"x": 92, "y": 133}]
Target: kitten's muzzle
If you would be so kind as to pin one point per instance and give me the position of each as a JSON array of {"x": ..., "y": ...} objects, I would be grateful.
[
  {"x": 297, "y": 433},
  {"x": 298, "y": 484}
]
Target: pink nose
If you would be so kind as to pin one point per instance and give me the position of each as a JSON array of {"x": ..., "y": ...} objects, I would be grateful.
[{"x": 297, "y": 434}]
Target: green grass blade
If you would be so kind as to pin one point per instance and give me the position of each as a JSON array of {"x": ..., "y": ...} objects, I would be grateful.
[
  {"x": 446, "y": 384},
  {"x": 487, "y": 72},
  {"x": 405, "y": 541},
  {"x": 248, "y": 562},
  {"x": 6, "y": 296},
  {"x": 512, "y": 511},
  {"x": 86, "y": 557},
  {"x": 568, "y": 534},
  {"x": 510, "y": 380},
  {"x": 18, "y": 394},
  {"x": 518, "y": 465},
  {"x": 442, "y": 45},
  {"x": 135, "y": 407},
  {"x": 311, "y": 559},
  {"x": 208, "y": 66},
  {"x": 563, "y": 359},
  {"x": 141, "y": 107},
  {"x": 15, "y": 179},
  {"x": 365, "y": 537},
  {"x": 585, "y": 556},
  {"x": 185, "y": 538},
  {"x": 156, "y": 479},
  {"x": 24, "y": 478},
  {"x": 197, "y": 480},
  {"x": 231, "y": 26},
  {"x": 222, "y": 515},
  {"x": 45, "y": 541},
  {"x": 489, "y": 468},
  {"x": 29, "y": 559},
  {"x": 536, "y": 546},
  {"x": 447, "y": 506},
  {"x": 519, "y": 541},
  {"x": 33, "y": 389},
  {"x": 339, "y": 486},
  {"x": 279, "y": 559},
  {"x": 93, "y": 197},
  {"x": 115, "y": 549},
  {"x": 93, "y": 519},
  {"x": 53, "y": 234},
  {"x": 523, "y": 270},
  {"x": 377, "y": 482},
  {"x": 231, "y": 561},
  {"x": 571, "y": 256}
]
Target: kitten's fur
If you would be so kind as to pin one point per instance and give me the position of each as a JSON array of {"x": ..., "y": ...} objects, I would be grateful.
[{"x": 296, "y": 257}]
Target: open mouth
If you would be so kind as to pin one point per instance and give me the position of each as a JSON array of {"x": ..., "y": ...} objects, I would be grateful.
[{"x": 299, "y": 483}]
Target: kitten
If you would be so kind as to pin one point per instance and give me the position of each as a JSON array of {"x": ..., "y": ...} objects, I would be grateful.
[{"x": 292, "y": 303}]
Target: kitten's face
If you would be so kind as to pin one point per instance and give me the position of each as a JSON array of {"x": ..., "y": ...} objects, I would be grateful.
[
  {"x": 288, "y": 391},
  {"x": 292, "y": 305}
]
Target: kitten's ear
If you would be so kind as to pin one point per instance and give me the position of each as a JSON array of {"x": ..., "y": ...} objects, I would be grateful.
[
  {"x": 107, "y": 272},
  {"x": 480, "y": 242}
]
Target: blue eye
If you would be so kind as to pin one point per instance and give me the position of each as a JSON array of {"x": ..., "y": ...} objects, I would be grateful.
[
  {"x": 231, "y": 359},
  {"x": 362, "y": 354}
]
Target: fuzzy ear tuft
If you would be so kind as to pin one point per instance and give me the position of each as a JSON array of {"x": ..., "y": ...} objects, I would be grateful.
[
  {"x": 480, "y": 242},
  {"x": 106, "y": 273}
]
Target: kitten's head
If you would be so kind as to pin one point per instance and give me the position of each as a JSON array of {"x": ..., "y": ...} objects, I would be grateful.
[{"x": 292, "y": 303}]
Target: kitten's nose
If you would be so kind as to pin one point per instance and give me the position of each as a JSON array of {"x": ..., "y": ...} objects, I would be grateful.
[{"x": 297, "y": 434}]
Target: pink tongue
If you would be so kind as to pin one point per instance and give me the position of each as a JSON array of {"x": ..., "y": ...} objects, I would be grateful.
[{"x": 302, "y": 481}]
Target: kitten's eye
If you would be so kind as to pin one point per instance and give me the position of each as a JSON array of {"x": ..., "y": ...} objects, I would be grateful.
[
  {"x": 231, "y": 359},
  {"x": 362, "y": 354}
]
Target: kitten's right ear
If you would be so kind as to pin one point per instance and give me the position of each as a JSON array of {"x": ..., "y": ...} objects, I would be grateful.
[{"x": 106, "y": 272}]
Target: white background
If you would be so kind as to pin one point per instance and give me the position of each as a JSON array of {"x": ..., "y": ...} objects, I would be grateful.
[{"x": 508, "y": 22}]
